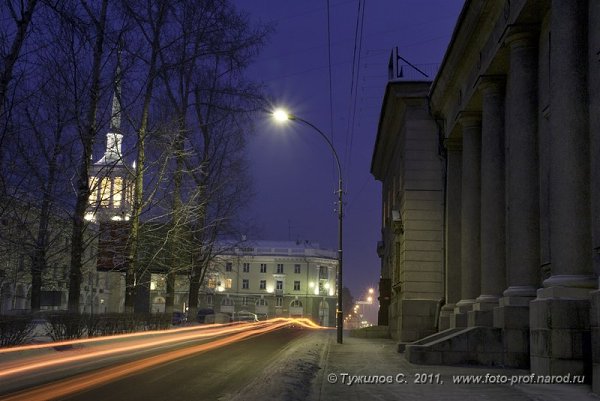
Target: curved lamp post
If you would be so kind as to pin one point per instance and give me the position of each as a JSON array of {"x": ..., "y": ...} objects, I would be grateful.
[{"x": 282, "y": 115}]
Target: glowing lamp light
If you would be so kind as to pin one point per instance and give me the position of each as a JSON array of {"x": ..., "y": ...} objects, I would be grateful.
[
  {"x": 270, "y": 289},
  {"x": 326, "y": 285},
  {"x": 370, "y": 299},
  {"x": 371, "y": 291},
  {"x": 281, "y": 115},
  {"x": 311, "y": 284},
  {"x": 316, "y": 290}
]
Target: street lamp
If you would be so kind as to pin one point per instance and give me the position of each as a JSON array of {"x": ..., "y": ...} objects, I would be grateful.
[{"x": 282, "y": 115}]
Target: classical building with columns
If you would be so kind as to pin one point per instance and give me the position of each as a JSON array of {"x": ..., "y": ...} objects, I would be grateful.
[{"x": 516, "y": 100}]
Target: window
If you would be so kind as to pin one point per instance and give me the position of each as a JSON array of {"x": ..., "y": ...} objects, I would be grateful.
[
  {"x": 297, "y": 269},
  {"x": 245, "y": 284},
  {"x": 228, "y": 266},
  {"x": 246, "y": 267},
  {"x": 279, "y": 301},
  {"x": 245, "y": 301},
  {"x": 105, "y": 192},
  {"x": 209, "y": 300},
  {"x": 117, "y": 191},
  {"x": 262, "y": 302},
  {"x": 279, "y": 285},
  {"x": 263, "y": 267},
  {"x": 323, "y": 273},
  {"x": 212, "y": 282},
  {"x": 296, "y": 304},
  {"x": 296, "y": 285},
  {"x": 93, "y": 190},
  {"x": 228, "y": 283},
  {"x": 263, "y": 284},
  {"x": 279, "y": 268}
]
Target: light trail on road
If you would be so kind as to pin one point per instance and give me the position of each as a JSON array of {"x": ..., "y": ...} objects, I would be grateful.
[
  {"x": 79, "y": 383},
  {"x": 54, "y": 344}
]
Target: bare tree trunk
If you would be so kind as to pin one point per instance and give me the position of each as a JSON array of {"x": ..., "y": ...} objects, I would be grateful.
[
  {"x": 15, "y": 50},
  {"x": 83, "y": 191},
  {"x": 132, "y": 266},
  {"x": 39, "y": 260}
]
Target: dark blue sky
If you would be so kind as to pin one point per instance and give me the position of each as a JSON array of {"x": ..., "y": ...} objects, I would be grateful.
[{"x": 292, "y": 167}]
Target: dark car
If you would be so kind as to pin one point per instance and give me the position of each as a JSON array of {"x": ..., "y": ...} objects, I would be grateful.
[
  {"x": 178, "y": 318},
  {"x": 201, "y": 317}
]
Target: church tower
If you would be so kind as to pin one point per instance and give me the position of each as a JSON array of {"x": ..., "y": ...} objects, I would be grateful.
[
  {"x": 111, "y": 180},
  {"x": 111, "y": 193}
]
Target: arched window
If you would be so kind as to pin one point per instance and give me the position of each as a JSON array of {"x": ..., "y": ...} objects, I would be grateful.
[{"x": 296, "y": 304}]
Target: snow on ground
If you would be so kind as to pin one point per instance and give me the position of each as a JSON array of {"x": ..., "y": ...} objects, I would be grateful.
[{"x": 290, "y": 377}]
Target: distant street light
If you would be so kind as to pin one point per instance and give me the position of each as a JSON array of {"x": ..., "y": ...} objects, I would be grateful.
[{"x": 282, "y": 115}]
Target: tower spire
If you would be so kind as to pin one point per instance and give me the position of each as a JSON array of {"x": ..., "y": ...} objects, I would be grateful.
[
  {"x": 114, "y": 138},
  {"x": 115, "y": 119}
]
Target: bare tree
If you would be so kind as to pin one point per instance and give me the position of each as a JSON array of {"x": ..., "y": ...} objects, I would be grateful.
[
  {"x": 20, "y": 15},
  {"x": 88, "y": 132}
]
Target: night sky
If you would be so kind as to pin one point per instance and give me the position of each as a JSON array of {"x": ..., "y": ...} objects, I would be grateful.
[{"x": 293, "y": 170}]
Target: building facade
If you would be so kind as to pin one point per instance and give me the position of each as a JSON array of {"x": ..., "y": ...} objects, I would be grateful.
[
  {"x": 406, "y": 160},
  {"x": 517, "y": 98},
  {"x": 269, "y": 278}
]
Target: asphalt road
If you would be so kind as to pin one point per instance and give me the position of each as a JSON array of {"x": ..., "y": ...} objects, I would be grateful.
[{"x": 211, "y": 375}]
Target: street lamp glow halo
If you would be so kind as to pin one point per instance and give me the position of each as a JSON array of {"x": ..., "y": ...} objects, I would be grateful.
[{"x": 281, "y": 115}]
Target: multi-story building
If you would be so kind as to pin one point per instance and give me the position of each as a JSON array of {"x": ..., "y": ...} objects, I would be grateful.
[
  {"x": 273, "y": 278},
  {"x": 516, "y": 99}
]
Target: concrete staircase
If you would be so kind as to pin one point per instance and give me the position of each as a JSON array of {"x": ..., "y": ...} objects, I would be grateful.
[{"x": 471, "y": 345}]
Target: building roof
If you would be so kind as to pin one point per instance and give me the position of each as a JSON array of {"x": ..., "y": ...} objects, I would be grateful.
[{"x": 299, "y": 248}]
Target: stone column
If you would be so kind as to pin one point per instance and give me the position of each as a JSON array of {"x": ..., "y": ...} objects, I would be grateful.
[
  {"x": 493, "y": 248},
  {"x": 522, "y": 197},
  {"x": 560, "y": 321},
  {"x": 452, "y": 230},
  {"x": 470, "y": 215},
  {"x": 523, "y": 253}
]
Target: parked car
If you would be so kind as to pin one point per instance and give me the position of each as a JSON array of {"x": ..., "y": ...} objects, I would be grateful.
[
  {"x": 178, "y": 318},
  {"x": 202, "y": 315},
  {"x": 244, "y": 316}
]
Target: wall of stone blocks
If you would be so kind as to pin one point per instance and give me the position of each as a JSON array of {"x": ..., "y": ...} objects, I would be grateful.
[{"x": 560, "y": 337}]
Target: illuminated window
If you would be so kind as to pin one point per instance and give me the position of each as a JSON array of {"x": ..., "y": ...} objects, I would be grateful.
[
  {"x": 93, "y": 190},
  {"x": 105, "y": 192},
  {"x": 212, "y": 282},
  {"x": 117, "y": 191},
  {"x": 129, "y": 193},
  {"x": 228, "y": 283}
]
